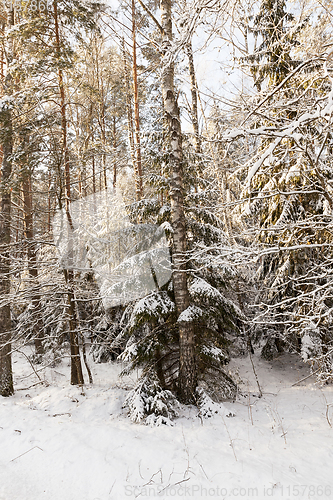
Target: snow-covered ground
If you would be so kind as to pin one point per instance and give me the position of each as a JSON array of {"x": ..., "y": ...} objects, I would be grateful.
[{"x": 58, "y": 444}]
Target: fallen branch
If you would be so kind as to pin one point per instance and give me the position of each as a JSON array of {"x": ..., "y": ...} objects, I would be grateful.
[
  {"x": 308, "y": 376},
  {"x": 26, "y": 453}
]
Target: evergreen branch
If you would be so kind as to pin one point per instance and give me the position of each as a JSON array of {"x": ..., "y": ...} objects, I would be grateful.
[{"x": 288, "y": 77}]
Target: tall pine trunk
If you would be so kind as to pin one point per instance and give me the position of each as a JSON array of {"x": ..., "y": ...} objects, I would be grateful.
[
  {"x": 76, "y": 366},
  {"x": 32, "y": 265},
  {"x": 194, "y": 98},
  {"x": 187, "y": 364},
  {"x": 6, "y": 373},
  {"x": 114, "y": 182},
  {"x": 138, "y": 177},
  {"x": 130, "y": 126}
]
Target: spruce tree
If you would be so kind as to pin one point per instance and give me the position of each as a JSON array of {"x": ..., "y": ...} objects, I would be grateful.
[
  {"x": 288, "y": 193},
  {"x": 272, "y": 59}
]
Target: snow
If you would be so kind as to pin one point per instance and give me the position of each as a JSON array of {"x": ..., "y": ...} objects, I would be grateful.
[
  {"x": 164, "y": 210},
  {"x": 294, "y": 171},
  {"x": 6, "y": 103},
  {"x": 254, "y": 169},
  {"x": 201, "y": 287},
  {"x": 190, "y": 314},
  {"x": 57, "y": 443},
  {"x": 156, "y": 303},
  {"x": 166, "y": 226}
]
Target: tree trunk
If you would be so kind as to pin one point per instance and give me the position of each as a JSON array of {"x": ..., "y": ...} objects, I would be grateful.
[
  {"x": 139, "y": 187},
  {"x": 130, "y": 127},
  {"x": 76, "y": 367},
  {"x": 114, "y": 182},
  {"x": 221, "y": 179},
  {"x": 32, "y": 265},
  {"x": 93, "y": 174},
  {"x": 187, "y": 363},
  {"x": 6, "y": 377},
  {"x": 194, "y": 97},
  {"x": 6, "y": 373},
  {"x": 49, "y": 202},
  {"x": 103, "y": 134}
]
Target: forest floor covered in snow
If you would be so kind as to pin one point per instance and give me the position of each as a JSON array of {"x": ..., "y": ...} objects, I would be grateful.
[{"x": 59, "y": 444}]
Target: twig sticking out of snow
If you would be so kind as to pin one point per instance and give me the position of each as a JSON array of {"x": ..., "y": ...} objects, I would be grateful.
[
  {"x": 255, "y": 374},
  {"x": 32, "y": 366},
  {"x": 328, "y": 405},
  {"x": 26, "y": 453},
  {"x": 30, "y": 386},
  {"x": 305, "y": 378}
]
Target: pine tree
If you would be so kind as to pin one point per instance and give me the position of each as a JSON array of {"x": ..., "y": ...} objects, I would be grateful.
[
  {"x": 6, "y": 107},
  {"x": 31, "y": 77}
]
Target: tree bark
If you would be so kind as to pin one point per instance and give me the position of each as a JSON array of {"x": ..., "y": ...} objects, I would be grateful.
[
  {"x": 93, "y": 174},
  {"x": 138, "y": 179},
  {"x": 187, "y": 362},
  {"x": 32, "y": 265},
  {"x": 6, "y": 376},
  {"x": 102, "y": 107},
  {"x": 194, "y": 98},
  {"x": 130, "y": 127},
  {"x": 49, "y": 202},
  {"x": 6, "y": 373},
  {"x": 114, "y": 182},
  {"x": 76, "y": 366}
]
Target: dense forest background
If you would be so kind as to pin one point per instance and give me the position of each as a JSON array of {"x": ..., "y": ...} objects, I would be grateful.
[{"x": 103, "y": 118}]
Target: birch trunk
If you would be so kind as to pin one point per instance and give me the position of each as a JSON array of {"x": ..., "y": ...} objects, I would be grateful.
[{"x": 187, "y": 363}]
